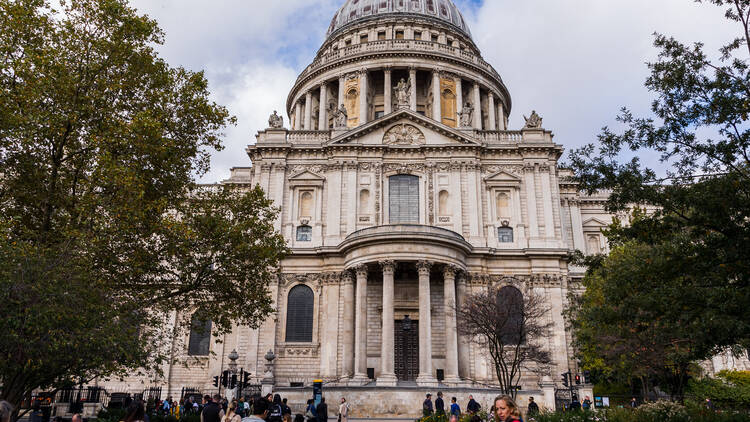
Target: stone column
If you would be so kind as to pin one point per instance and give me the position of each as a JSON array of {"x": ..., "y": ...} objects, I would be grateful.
[
  {"x": 387, "y": 376},
  {"x": 576, "y": 221},
  {"x": 437, "y": 113},
  {"x": 387, "y": 91},
  {"x": 413, "y": 81},
  {"x": 298, "y": 116},
  {"x": 363, "y": 106},
  {"x": 451, "y": 336},
  {"x": 342, "y": 82},
  {"x": 308, "y": 110},
  {"x": 347, "y": 341},
  {"x": 477, "y": 107},
  {"x": 360, "y": 328},
  {"x": 459, "y": 101},
  {"x": 464, "y": 370},
  {"x": 323, "y": 114},
  {"x": 491, "y": 110},
  {"x": 425, "y": 378}
]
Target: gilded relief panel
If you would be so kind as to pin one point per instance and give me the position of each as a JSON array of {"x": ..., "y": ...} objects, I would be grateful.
[{"x": 448, "y": 102}]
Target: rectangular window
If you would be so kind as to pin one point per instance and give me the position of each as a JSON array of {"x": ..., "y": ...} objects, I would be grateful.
[
  {"x": 505, "y": 235},
  {"x": 404, "y": 199},
  {"x": 381, "y": 35},
  {"x": 400, "y": 35},
  {"x": 348, "y": 42},
  {"x": 304, "y": 234},
  {"x": 363, "y": 39},
  {"x": 434, "y": 38},
  {"x": 417, "y": 35}
]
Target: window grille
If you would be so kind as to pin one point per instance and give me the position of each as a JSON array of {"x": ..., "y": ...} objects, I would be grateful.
[
  {"x": 304, "y": 234},
  {"x": 505, "y": 235},
  {"x": 299, "y": 315}
]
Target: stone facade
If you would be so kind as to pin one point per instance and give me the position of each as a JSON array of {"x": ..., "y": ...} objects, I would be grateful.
[{"x": 402, "y": 191}]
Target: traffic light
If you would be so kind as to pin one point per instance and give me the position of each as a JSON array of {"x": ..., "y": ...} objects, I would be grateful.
[
  {"x": 587, "y": 377},
  {"x": 225, "y": 378},
  {"x": 578, "y": 379},
  {"x": 233, "y": 382},
  {"x": 216, "y": 381},
  {"x": 565, "y": 379},
  {"x": 245, "y": 379}
]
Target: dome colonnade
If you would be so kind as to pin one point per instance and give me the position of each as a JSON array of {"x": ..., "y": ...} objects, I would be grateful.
[{"x": 367, "y": 61}]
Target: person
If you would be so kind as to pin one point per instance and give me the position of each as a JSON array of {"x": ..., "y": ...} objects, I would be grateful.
[
  {"x": 710, "y": 405},
  {"x": 586, "y": 405},
  {"x": 286, "y": 411},
  {"x": 232, "y": 415},
  {"x": 343, "y": 410},
  {"x": 633, "y": 403},
  {"x": 299, "y": 418},
  {"x": 310, "y": 411},
  {"x": 135, "y": 412},
  {"x": 212, "y": 411},
  {"x": 427, "y": 405},
  {"x": 322, "y": 411},
  {"x": 505, "y": 410},
  {"x": 533, "y": 408},
  {"x": 575, "y": 405},
  {"x": 6, "y": 410},
  {"x": 439, "y": 404},
  {"x": 77, "y": 418},
  {"x": 455, "y": 410},
  {"x": 260, "y": 411},
  {"x": 276, "y": 412},
  {"x": 166, "y": 406},
  {"x": 473, "y": 407}
]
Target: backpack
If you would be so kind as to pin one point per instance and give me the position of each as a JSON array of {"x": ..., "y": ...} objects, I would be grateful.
[{"x": 275, "y": 415}]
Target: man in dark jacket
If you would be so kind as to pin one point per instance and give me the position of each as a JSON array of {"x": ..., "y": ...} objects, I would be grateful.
[
  {"x": 427, "y": 405},
  {"x": 213, "y": 412},
  {"x": 473, "y": 407},
  {"x": 439, "y": 404},
  {"x": 321, "y": 411},
  {"x": 533, "y": 409}
]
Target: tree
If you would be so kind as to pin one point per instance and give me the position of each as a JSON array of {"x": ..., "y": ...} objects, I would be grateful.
[
  {"x": 105, "y": 233},
  {"x": 510, "y": 325},
  {"x": 698, "y": 211}
]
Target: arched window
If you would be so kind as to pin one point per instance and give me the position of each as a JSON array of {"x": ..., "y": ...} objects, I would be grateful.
[
  {"x": 404, "y": 199},
  {"x": 444, "y": 203},
  {"x": 304, "y": 234},
  {"x": 306, "y": 205},
  {"x": 510, "y": 316},
  {"x": 200, "y": 337},
  {"x": 502, "y": 203},
  {"x": 505, "y": 235},
  {"x": 299, "y": 315},
  {"x": 364, "y": 201}
]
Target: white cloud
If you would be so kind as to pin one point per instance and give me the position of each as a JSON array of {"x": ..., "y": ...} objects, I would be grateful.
[{"x": 575, "y": 61}]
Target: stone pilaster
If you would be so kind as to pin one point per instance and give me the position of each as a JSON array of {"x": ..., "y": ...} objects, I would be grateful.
[
  {"x": 425, "y": 378},
  {"x": 464, "y": 368},
  {"x": 459, "y": 99},
  {"x": 342, "y": 81},
  {"x": 364, "y": 111},
  {"x": 387, "y": 91},
  {"x": 323, "y": 113},
  {"x": 360, "y": 328},
  {"x": 298, "y": 116},
  {"x": 451, "y": 335},
  {"x": 347, "y": 324},
  {"x": 387, "y": 371},
  {"x": 437, "y": 113}
]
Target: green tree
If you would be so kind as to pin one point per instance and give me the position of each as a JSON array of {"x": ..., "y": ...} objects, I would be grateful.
[
  {"x": 692, "y": 247},
  {"x": 104, "y": 231}
]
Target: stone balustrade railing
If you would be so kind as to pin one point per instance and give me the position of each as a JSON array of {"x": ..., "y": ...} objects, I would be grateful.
[
  {"x": 501, "y": 136},
  {"x": 398, "y": 45},
  {"x": 308, "y": 136}
]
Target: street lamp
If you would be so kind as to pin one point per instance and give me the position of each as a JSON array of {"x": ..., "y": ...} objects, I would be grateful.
[{"x": 233, "y": 356}]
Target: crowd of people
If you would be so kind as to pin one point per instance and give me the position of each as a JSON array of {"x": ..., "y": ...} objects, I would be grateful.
[{"x": 504, "y": 409}]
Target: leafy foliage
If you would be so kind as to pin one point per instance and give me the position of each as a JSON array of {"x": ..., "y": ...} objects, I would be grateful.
[
  {"x": 731, "y": 389},
  {"x": 105, "y": 234}
]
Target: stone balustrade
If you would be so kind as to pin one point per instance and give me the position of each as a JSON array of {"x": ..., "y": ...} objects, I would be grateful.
[
  {"x": 501, "y": 136},
  {"x": 303, "y": 137}
]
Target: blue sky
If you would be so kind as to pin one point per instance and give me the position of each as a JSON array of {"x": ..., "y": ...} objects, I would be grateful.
[{"x": 574, "y": 61}]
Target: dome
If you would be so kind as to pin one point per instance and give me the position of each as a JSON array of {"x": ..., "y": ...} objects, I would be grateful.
[{"x": 361, "y": 10}]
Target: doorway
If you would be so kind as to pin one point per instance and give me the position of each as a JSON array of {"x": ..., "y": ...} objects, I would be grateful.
[{"x": 407, "y": 349}]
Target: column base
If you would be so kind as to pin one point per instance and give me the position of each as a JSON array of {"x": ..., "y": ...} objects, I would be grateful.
[
  {"x": 387, "y": 380},
  {"x": 427, "y": 381},
  {"x": 453, "y": 381},
  {"x": 359, "y": 380}
]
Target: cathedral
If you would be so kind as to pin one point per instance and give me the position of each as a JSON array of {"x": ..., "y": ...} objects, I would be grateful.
[{"x": 402, "y": 190}]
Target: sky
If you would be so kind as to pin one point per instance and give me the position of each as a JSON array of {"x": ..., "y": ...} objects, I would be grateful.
[{"x": 576, "y": 62}]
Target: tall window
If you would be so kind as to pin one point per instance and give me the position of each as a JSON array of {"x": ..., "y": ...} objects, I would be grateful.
[
  {"x": 510, "y": 304},
  {"x": 304, "y": 234},
  {"x": 299, "y": 315},
  {"x": 505, "y": 235},
  {"x": 200, "y": 337},
  {"x": 404, "y": 199}
]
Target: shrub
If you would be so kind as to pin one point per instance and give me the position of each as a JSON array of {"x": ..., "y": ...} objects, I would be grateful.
[{"x": 662, "y": 411}]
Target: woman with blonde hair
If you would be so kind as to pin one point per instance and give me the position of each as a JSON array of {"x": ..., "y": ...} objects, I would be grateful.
[
  {"x": 232, "y": 415},
  {"x": 506, "y": 410}
]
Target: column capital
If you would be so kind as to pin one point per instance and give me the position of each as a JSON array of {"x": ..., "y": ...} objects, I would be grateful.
[
  {"x": 491, "y": 94},
  {"x": 361, "y": 270},
  {"x": 451, "y": 271},
  {"x": 412, "y": 68},
  {"x": 424, "y": 267},
  {"x": 324, "y": 84},
  {"x": 387, "y": 68},
  {"x": 347, "y": 277},
  {"x": 363, "y": 71},
  {"x": 388, "y": 266}
]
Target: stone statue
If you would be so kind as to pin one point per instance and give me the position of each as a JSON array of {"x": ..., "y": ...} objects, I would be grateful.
[
  {"x": 467, "y": 115},
  {"x": 403, "y": 96},
  {"x": 533, "y": 122},
  {"x": 340, "y": 117},
  {"x": 275, "y": 121}
]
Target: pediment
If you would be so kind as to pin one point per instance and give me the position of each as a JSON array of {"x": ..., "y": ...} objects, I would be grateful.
[
  {"x": 503, "y": 177},
  {"x": 306, "y": 175},
  {"x": 594, "y": 223},
  {"x": 404, "y": 129}
]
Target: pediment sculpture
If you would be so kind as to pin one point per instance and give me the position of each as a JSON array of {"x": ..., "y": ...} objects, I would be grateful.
[
  {"x": 275, "y": 121},
  {"x": 533, "y": 122},
  {"x": 404, "y": 134}
]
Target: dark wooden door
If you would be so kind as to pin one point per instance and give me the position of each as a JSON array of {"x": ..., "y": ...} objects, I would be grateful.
[{"x": 407, "y": 351}]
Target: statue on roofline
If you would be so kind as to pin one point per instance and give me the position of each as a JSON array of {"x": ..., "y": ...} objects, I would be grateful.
[{"x": 275, "y": 121}]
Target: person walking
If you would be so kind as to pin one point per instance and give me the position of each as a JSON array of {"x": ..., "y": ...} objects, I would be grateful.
[
  {"x": 322, "y": 411},
  {"x": 439, "y": 404},
  {"x": 473, "y": 407},
  {"x": 260, "y": 411},
  {"x": 427, "y": 406},
  {"x": 533, "y": 408},
  {"x": 343, "y": 410},
  {"x": 232, "y": 415},
  {"x": 506, "y": 410},
  {"x": 455, "y": 410},
  {"x": 212, "y": 411}
]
